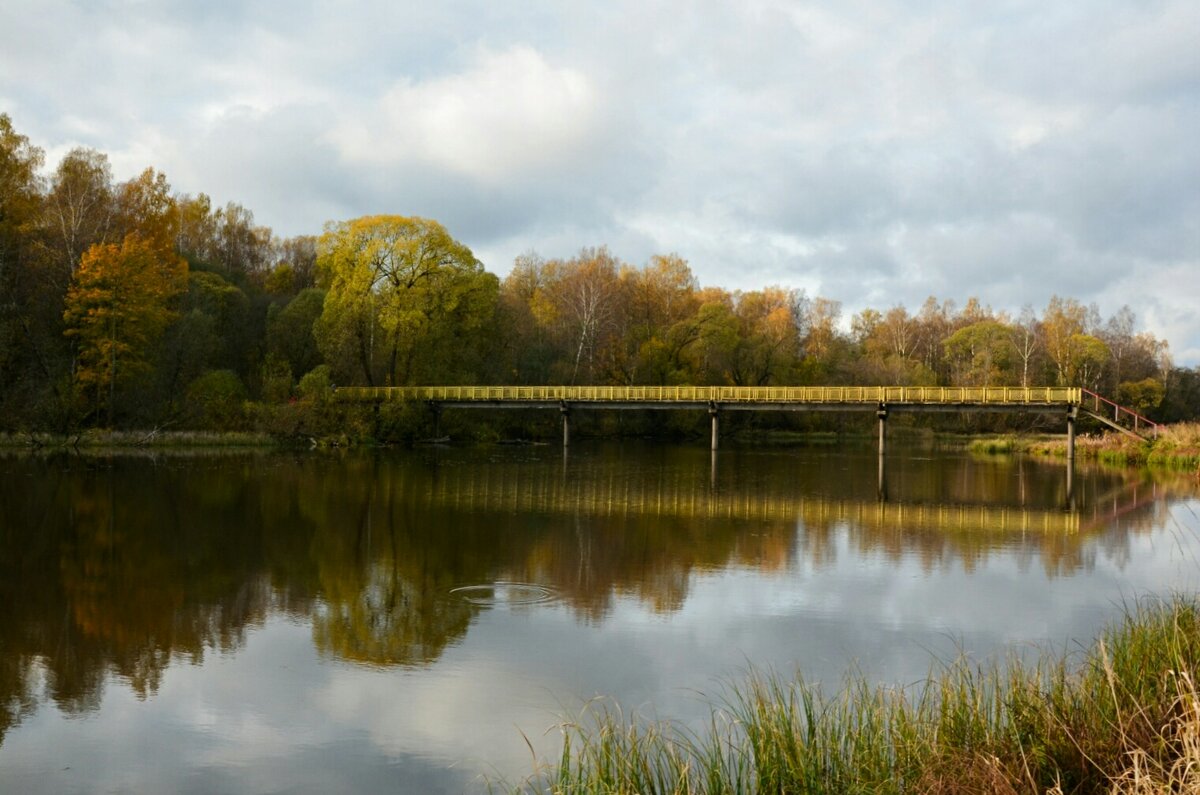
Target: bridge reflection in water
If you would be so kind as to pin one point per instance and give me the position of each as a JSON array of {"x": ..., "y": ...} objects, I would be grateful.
[{"x": 604, "y": 493}]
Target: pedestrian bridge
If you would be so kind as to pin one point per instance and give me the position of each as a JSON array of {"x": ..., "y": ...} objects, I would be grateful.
[{"x": 1066, "y": 402}]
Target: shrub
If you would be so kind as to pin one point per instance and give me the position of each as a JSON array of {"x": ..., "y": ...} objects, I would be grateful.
[{"x": 215, "y": 400}]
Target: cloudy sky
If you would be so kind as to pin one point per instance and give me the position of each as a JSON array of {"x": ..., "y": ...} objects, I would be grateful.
[{"x": 871, "y": 151}]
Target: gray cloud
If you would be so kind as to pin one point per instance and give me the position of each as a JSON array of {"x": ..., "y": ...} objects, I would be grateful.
[{"x": 873, "y": 152}]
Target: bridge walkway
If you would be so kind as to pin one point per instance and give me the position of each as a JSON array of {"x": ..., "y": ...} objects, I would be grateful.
[{"x": 1064, "y": 401}]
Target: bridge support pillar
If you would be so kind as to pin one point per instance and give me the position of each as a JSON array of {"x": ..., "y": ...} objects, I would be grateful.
[
  {"x": 566, "y": 420},
  {"x": 1070, "y": 485},
  {"x": 881, "y": 487},
  {"x": 1072, "y": 413},
  {"x": 882, "y": 414},
  {"x": 437, "y": 420},
  {"x": 716, "y": 424}
]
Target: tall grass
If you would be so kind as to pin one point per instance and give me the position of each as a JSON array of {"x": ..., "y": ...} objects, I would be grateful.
[
  {"x": 1121, "y": 717},
  {"x": 1177, "y": 445}
]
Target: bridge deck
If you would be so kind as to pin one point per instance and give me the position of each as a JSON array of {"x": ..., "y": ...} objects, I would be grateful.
[{"x": 728, "y": 396}]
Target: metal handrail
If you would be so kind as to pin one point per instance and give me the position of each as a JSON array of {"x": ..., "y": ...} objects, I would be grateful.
[
  {"x": 725, "y": 394},
  {"x": 1118, "y": 410}
]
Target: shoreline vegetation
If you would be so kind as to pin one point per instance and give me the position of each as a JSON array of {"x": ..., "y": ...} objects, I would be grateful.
[
  {"x": 1121, "y": 716},
  {"x": 1176, "y": 447}
]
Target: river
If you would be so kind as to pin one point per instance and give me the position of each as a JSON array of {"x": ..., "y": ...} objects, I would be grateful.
[{"x": 414, "y": 621}]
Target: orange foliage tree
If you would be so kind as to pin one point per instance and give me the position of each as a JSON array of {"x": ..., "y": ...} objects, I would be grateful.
[{"x": 117, "y": 306}]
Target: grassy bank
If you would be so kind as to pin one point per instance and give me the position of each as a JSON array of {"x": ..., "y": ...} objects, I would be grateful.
[
  {"x": 1121, "y": 717},
  {"x": 1176, "y": 446}
]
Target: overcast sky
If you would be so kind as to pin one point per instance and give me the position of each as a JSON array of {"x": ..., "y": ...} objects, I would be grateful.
[{"x": 871, "y": 152}]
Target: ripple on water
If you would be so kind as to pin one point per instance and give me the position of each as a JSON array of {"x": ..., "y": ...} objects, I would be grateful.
[{"x": 506, "y": 594}]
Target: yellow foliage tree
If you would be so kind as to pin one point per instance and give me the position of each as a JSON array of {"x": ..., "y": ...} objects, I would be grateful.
[{"x": 117, "y": 306}]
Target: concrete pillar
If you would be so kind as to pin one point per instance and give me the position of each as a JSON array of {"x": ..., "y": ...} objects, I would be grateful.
[
  {"x": 712, "y": 472},
  {"x": 882, "y": 413},
  {"x": 566, "y": 418},
  {"x": 712, "y": 412}
]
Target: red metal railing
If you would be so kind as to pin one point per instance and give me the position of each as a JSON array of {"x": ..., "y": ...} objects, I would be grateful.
[{"x": 1102, "y": 403}]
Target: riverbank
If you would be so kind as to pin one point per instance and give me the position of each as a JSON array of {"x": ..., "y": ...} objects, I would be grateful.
[
  {"x": 103, "y": 439},
  {"x": 1121, "y": 717},
  {"x": 1177, "y": 446}
]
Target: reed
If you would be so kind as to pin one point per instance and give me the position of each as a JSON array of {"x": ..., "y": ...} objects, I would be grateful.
[{"x": 1122, "y": 716}]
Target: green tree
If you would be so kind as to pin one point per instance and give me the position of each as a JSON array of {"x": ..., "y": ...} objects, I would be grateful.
[
  {"x": 1086, "y": 357},
  {"x": 290, "y": 330},
  {"x": 211, "y": 332},
  {"x": 404, "y": 301},
  {"x": 1143, "y": 396},
  {"x": 20, "y": 205},
  {"x": 980, "y": 354}
]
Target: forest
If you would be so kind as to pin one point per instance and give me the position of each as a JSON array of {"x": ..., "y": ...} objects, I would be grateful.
[{"x": 126, "y": 305}]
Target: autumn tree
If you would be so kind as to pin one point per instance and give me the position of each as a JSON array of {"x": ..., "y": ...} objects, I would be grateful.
[
  {"x": 1025, "y": 338},
  {"x": 768, "y": 345},
  {"x": 1086, "y": 357},
  {"x": 890, "y": 347},
  {"x": 580, "y": 301},
  {"x": 1063, "y": 320},
  {"x": 936, "y": 322},
  {"x": 117, "y": 307},
  {"x": 145, "y": 207},
  {"x": 243, "y": 248},
  {"x": 528, "y": 350},
  {"x": 821, "y": 324},
  {"x": 80, "y": 209},
  {"x": 656, "y": 303},
  {"x": 405, "y": 300},
  {"x": 295, "y": 266},
  {"x": 196, "y": 233}
]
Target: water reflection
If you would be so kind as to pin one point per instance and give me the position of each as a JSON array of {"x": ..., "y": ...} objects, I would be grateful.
[{"x": 123, "y": 567}]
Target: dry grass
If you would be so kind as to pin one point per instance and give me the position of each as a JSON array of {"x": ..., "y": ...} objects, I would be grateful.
[
  {"x": 1122, "y": 718},
  {"x": 1147, "y": 775},
  {"x": 1177, "y": 446}
]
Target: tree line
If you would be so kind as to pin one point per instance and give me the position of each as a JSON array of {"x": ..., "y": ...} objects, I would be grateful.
[{"x": 125, "y": 304}]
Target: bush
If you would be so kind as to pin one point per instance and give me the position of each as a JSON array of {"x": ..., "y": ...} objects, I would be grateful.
[
  {"x": 316, "y": 384},
  {"x": 215, "y": 400}
]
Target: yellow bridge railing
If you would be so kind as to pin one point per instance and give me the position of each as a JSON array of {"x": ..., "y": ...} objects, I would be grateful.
[
  {"x": 631, "y": 497},
  {"x": 857, "y": 395}
]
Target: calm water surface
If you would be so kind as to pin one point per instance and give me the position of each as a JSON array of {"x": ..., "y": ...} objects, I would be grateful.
[{"x": 403, "y": 621}]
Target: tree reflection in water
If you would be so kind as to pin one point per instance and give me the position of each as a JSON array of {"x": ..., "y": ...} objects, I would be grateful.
[{"x": 122, "y": 566}]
